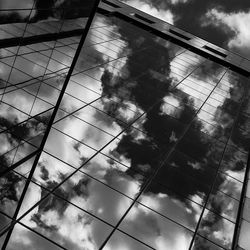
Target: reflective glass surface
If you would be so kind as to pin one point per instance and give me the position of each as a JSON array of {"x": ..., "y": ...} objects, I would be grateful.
[{"x": 127, "y": 141}]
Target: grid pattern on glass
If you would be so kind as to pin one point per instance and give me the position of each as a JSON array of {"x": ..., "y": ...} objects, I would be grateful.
[{"x": 143, "y": 150}]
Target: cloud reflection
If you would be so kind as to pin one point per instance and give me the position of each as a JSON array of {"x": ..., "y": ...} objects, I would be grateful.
[{"x": 138, "y": 107}]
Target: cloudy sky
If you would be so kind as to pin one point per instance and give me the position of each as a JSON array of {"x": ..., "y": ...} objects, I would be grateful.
[{"x": 224, "y": 23}]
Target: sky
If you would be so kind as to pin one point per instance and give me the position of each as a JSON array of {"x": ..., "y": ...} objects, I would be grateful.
[{"x": 224, "y": 23}]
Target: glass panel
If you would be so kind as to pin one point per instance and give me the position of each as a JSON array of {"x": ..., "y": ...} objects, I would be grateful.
[
  {"x": 217, "y": 229},
  {"x": 66, "y": 225},
  {"x": 22, "y": 237},
  {"x": 122, "y": 241},
  {"x": 142, "y": 120},
  {"x": 155, "y": 230},
  {"x": 244, "y": 235}
]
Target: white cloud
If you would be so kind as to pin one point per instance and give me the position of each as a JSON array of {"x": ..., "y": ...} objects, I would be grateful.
[
  {"x": 170, "y": 105},
  {"x": 165, "y": 15},
  {"x": 178, "y": 1},
  {"x": 236, "y": 22},
  {"x": 152, "y": 229},
  {"x": 244, "y": 235},
  {"x": 32, "y": 196}
]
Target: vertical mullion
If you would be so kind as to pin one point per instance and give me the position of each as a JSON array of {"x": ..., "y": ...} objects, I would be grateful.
[
  {"x": 50, "y": 123},
  {"x": 213, "y": 184}
]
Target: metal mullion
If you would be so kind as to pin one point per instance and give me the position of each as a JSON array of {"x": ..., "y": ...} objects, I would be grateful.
[
  {"x": 110, "y": 48},
  {"x": 18, "y": 146},
  {"x": 100, "y": 29},
  {"x": 17, "y": 164},
  {"x": 199, "y": 91},
  {"x": 72, "y": 57},
  {"x": 213, "y": 243},
  {"x": 92, "y": 215},
  {"x": 31, "y": 95},
  {"x": 25, "y": 112},
  {"x": 22, "y": 142},
  {"x": 29, "y": 84},
  {"x": 99, "y": 110},
  {"x": 41, "y": 39},
  {"x": 107, "y": 26},
  {"x": 84, "y": 163},
  {"x": 78, "y": 72},
  {"x": 145, "y": 186},
  {"x": 10, "y": 227},
  {"x": 99, "y": 23},
  {"x": 39, "y": 66},
  {"x": 41, "y": 28},
  {"x": 68, "y": 45},
  {"x": 217, "y": 172},
  {"x": 96, "y": 150},
  {"x": 12, "y": 224},
  {"x": 34, "y": 52},
  {"x": 98, "y": 66},
  {"x": 104, "y": 96},
  {"x": 18, "y": 124},
  {"x": 16, "y": 54},
  {"x": 6, "y": 31},
  {"x": 243, "y": 192},
  {"x": 39, "y": 51},
  {"x": 32, "y": 230},
  {"x": 84, "y": 34},
  {"x": 100, "y": 43},
  {"x": 85, "y": 86},
  {"x": 86, "y": 104},
  {"x": 16, "y": 9},
  {"x": 32, "y": 78},
  {"x": 52, "y": 192},
  {"x": 103, "y": 28},
  {"x": 41, "y": 82},
  {"x": 148, "y": 182},
  {"x": 82, "y": 120},
  {"x": 46, "y": 68},
  {"x": 189, "y": 74},
  {"x": 110, "y": 39},
  {"x": 86, "y": 211},
  {"x": 65, "y": 134}
]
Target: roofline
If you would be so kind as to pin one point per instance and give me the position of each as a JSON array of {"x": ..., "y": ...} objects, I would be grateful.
[{"x": 167, "y": 31}]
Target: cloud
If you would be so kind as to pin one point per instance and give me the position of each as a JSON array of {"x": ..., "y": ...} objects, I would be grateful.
[
  {"x": 235, "y": 22},
  {"x": 155, "y": 230},
  {"x": 178, "y": 1},
  {"x": 170, "y": 105},
  {"x": 165, "y": 15},
  {"x": 244, "y": 235}
]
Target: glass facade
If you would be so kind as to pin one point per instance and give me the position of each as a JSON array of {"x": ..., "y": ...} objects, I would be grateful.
[{"x": 126, "y": 141}]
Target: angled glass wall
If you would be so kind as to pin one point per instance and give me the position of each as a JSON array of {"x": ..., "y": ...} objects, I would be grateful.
[{"x": 147, "y": 149}]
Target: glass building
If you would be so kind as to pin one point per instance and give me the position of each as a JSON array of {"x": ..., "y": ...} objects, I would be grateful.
[{"x": 119, "y": 131}]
